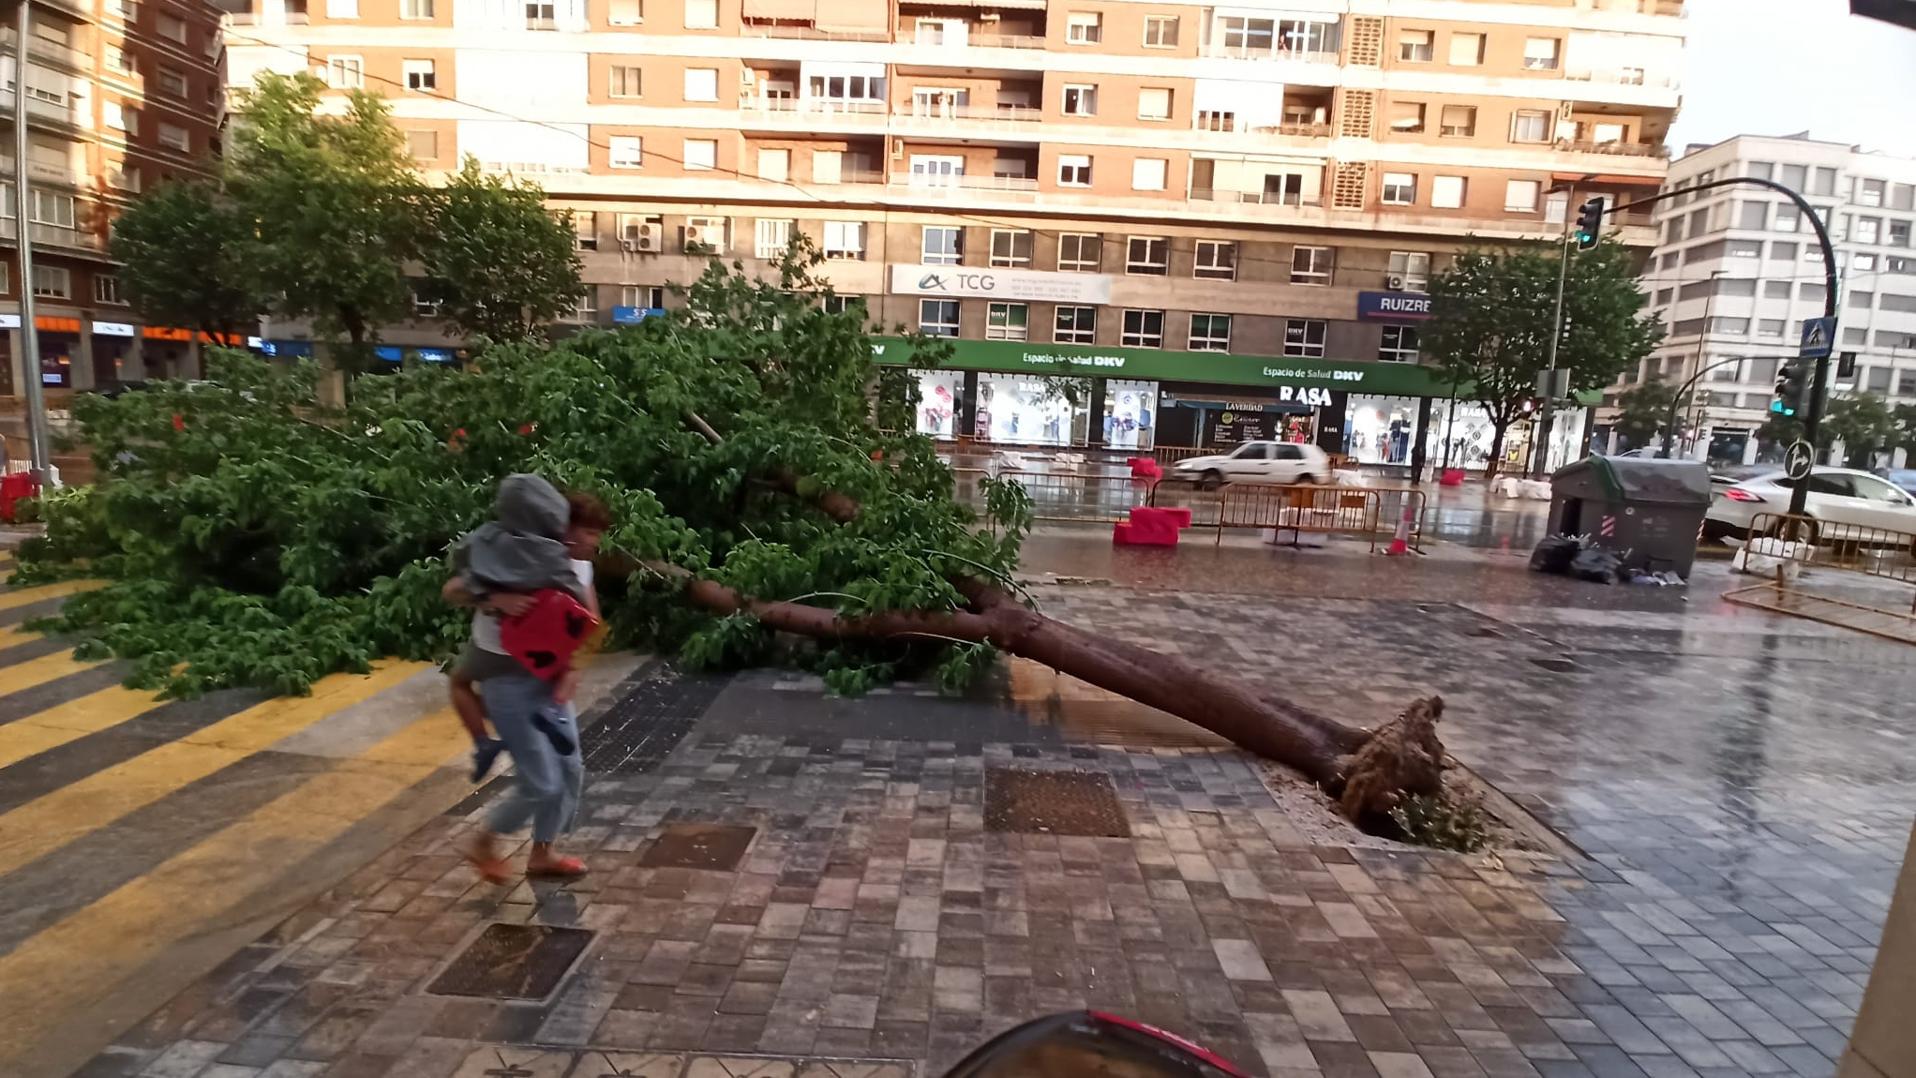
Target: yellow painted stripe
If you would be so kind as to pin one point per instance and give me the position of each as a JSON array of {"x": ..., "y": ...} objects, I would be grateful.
[
  {"x": 11, "y": 599},
  {"x": 82, "y": 957},
  {"x": 74, "y": 719},
  {"x": 40, "y": 671},
  {"x": 15, "y": 637},
  {"x": 50, "y": 821}
]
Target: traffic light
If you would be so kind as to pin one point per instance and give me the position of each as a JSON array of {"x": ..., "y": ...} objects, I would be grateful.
[
  {"x": 1790, "y": 383},
  {"x": 1590, "y": 224}
]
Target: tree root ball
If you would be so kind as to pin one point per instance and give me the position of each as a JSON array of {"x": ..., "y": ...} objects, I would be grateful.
[{"x": 1401, "y": 758}]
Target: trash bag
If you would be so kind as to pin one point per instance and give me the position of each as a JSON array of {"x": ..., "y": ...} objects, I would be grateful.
[
  {"x": 1596, "y": 565},
  {"x": 1554, "y": 554}
]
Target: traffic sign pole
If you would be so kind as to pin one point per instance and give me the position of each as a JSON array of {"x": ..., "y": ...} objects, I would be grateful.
[{"x": 1819, "y": 337}]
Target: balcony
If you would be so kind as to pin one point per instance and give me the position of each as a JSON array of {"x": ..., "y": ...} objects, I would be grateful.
[
  {"x": 1254, "y": 198},
  {"x": 1621, "y": 76},
  {"x": 40, "y": 108},
  {"x": 41, "y": 49},
  {"x": 1619, "y": 149},
  {"x": 54, "y": 236},
  {"x": 1220, "y": 51},
  {"x": 938, "y": 118},
  {"x": 276, "y": 18},
  {"x": 926, "y": 182},
  {"x": 809, "y": 33},
  {"x": 65, "y": 175},
  {"x": 1293, "y": 130}
]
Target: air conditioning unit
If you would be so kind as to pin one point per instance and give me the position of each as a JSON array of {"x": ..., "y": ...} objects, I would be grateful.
[
  {"x": 1394, "y": 282},
  {"x": 647, "y": 237},
  {"x": 700, "y": 238}
]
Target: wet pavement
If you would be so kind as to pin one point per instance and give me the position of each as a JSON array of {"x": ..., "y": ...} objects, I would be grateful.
[{"x": 783, "y": 877}]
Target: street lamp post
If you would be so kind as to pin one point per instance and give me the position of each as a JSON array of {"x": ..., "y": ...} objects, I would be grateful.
[
  {"x": 1702, "y": 348},
  {"x": 1542, "y": 458},
  {"x": 23, "y": 230}
]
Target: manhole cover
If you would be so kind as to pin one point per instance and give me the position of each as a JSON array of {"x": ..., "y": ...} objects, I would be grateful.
[
  {"x": 699, "y": 845},
  {"x": 1560, "y": 666},
  {"x": 1052, "y": 803},
  {"x": 513, "y": 962}
]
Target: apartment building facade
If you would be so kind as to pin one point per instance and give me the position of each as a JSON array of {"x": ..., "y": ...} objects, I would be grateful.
[
  {"x": 1222, "y": 215},
  {"x": 121, "y": 94},
  {"x": 1738, "y": 269}
]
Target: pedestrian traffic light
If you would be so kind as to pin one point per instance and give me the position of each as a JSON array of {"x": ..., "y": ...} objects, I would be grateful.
[
  {"x": 1790, "y": 383},
  {"x": 1590, "y": 224}
]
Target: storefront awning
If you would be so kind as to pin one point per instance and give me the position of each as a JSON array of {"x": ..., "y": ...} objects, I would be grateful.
[
  {"x": 853, "y": 15},
  {"x": 783, "y": 10}
]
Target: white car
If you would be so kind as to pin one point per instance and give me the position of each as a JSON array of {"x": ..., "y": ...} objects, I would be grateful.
[
  {"x": 1846, "y": 504},
  {"x": 1258, "y": 462}
]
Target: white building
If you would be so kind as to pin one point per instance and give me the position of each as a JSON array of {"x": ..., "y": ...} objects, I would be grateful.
[{"x": 1737, "y": 270}]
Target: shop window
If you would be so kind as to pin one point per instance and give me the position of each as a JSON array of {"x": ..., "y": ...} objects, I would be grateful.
[
  {"x": 1216, "y": 260},
  {"x": 1128, "y": 413},
  {"x": 1076, "y": 325},
  {"x": 1007, "y": 322},
  {"x": 1147, "y": 256},
  {"x": 1210, "y": 333},
  {"x": 1399, "y": 345},
  {"x": 942, "y": 246},
  {"x": 1080, "y": 252},
  {"x": 1312, "y": 265},
  {"x": 1012, "y": 408},
  {"x": 1011, "y": 247},
  {"x": 1142, "y": 329},
  {"x": 938, "y": 317},
  {"x": 938, "y": 393},
  {"x": 1304, "y": 338}
]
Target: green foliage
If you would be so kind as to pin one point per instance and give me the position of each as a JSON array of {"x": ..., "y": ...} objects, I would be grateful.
[
  {"x": 1864, "y": 422},
  {"x": 185, "y": 252},
  {"x": 1490, "y": 326},
  {"x": 1444, "y": 821},
  {"x": 500, "y": 264},
  {"x": 1644, "y": 410},
  {"x": 253, "y": 537}
]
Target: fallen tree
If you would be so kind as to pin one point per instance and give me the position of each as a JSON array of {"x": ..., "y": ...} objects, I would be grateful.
[{"x": 252, "y": 537}]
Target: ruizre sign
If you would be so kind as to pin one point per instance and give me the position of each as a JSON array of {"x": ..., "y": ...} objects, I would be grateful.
[
  {"x": 1393, "y": 306},
  {"x": 1006, "y": 284}
]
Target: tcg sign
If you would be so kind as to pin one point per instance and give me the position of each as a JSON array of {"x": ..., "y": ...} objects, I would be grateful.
[
  {"x": 1393, "y": 306},
  {"x": 1006, "y": 284}
]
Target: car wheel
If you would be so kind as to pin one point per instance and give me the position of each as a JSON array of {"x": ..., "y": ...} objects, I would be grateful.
[
  {"x": 1211, "y": 480},
  {"x": 1807, "y": 532},
  {"x": 1718, "y": 529}
]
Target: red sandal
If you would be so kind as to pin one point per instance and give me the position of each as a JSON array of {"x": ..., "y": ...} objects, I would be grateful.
[
  {"x": 559, "y": 868},
  {"x": 493, "y": 870}
]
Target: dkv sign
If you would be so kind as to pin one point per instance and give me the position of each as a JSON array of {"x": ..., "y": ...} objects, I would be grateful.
[{"x": 1006, "y": 284}]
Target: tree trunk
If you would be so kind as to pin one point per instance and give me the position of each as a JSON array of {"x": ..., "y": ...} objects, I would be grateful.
[{"x": 1497, "y": 432}]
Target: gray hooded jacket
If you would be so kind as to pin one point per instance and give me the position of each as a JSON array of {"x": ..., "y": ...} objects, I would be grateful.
[{"x": 522, "y": 548}]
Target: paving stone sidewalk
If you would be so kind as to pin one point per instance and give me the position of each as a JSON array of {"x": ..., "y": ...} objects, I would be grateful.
[{"x": 1741, "y": 787}]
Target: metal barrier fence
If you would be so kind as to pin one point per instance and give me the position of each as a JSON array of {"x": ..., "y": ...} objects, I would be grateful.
[
  {"x": 1063, "y": 496},
  {"x": 1881, "y": 553},
  {"x": 1369, "y": 512}
]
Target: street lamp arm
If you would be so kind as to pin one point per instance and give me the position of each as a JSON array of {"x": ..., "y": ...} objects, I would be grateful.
[{"x": 1683, "y": 392}]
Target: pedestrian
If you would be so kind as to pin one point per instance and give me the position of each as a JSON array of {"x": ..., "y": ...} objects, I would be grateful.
[{"x": 507, "y": 568}]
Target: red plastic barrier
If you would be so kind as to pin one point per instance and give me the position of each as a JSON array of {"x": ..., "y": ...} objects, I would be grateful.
[
  {"x": 1145, "y": 468},
  {"x": 1150, "y": 527},
  {"x": 1453, "y": 477},
  {"x": 14, "y": 489}
]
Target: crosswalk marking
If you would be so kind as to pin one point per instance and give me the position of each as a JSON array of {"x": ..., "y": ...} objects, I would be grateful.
[
  {"x": 90, "y": 714},
  {"x": 50, "y": 821},
  {"x": 26, "y": 596},
  {"x": 80, "y": 958},
  {"x": 40, "y": 671}
]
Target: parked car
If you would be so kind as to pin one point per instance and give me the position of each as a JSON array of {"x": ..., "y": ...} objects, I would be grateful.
[
  {"x": 1258, "y": 462},
  {"x": 1904, "y": 478},
  {"x": 1846, "y": 504}
]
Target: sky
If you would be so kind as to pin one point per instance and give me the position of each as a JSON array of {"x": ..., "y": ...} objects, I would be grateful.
[{"x": 1776, "y": 67}]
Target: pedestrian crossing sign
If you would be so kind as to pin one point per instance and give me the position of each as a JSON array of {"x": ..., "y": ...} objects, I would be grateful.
[{"x": 1817, "y": 336}]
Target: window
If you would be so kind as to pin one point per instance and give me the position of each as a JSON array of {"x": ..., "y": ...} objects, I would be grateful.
[
  {"x": 171, "y": 28},
  {"x": 1407, "y": 117},
  {"x": 1447, "y": 192},
  {"x": 771, "y": 238},
  {"x": 587, "y": 310},
  {"x": 116, "y": 59},
  {"x": 1400, "y": 189},
  {"x": 624, "y": 13},
  {"x": 1520, "y": 196},
  {"x": 1080, "y": 252},
  {"x": 53, "y": 281},
  {"x": 1898, "y": 234},
  {"x": 624, "y": 80},
  {"x": 1466, "y": 50},
  {"x": 423, "y": 145},
  {"x": 701, "y": 14},
  {"x": 1458, "y": 121},
  {"x": 1084, "y": 28},
  {"x": 625, "y": 151},
  {"x": 106, "y": 289},
  {"x": 585, "y": 228},
  {"x": 1074, "y": 170},
  {"x": 121, "y": 118},
  {"x": 1416, "y": 46},
  {"x": 1540, "y": 53},
  {"x": 1868, "y": 230},
  {"x": 701, "y": 154},
  {"x": 175, "y": 137},
  {"x": 1076, "y": 325},
  {"x": 1787, "y": 218},
  {"x": 121, "y": 178},
  {"x": 1743, "y": 248},
  {"x": 1409, "y": 271},
  {"x": 1530, "y": 125},
  {"x": 775, "y": 165},
  {"x": 1312, "y": 265},
  {"x": 1154, "y": 103},
  {"x": 174, "y": 84},
  {"x": 1399, "y": 345},
  {"x": 1304, "y": 338},
  {"x": 1147, "y": 256},
  {"x": 1007, "y": 322},
  {"x": 1753, "y": 215},
  {"x": 701, "y": 84},
  {"x": 845, "y": 239},
  {"x": 1776, "y": 290},
  {"x": 345, "y": 73},
  {"x": 1823, "y": 181},
  {"x": 415, "y": 9},
  {"x": 1142, "y": 329},
  {"x": 1216, "y": 260},
  {"x": 1080, "y": 100},
  {"x": 1010, "y": 247},
  {"x": 1161, "y": 31},
  {"x": 542, "y": 14},
  {"x": 1769, "y": 327},
  {"x": 1147, "y": 174},
  {"x": 420, "y": 75},
  {"x": 938, "y": 317},
  {"x": 1210, "y": 333},
  {"x": 1794, "y": 176},
  {"x": 704, "y": 235},
  {"x": 643, "y": 295},
  {"x": 828, "y": 166},
  {"x": 342, "y": 9},
  {"x": 941, "y": 245}
]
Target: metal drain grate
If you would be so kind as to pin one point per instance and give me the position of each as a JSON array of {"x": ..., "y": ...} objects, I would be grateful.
[
  {"x": 1559, "y": 666},
  {"x": 1052, "y": 803},
  {"x": 699, "y": 845},
  {"x": 513, "y": 962},
  {"x": 648, "y": 722}
]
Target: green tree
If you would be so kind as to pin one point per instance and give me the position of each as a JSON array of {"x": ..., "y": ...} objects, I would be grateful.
[
  {"x": 1865, "y": 424},
  {"x": 335, "y": 202},
  {"x": 497, "y": 261},
  {"x": 1644, "y": 410},
  {"x": 1490, "y": 326},
  {"x": 1905, "y": 415},
  {"x": 187, "y": 259}
]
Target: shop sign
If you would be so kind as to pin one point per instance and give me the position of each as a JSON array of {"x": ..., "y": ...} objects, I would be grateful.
[
  {"x": 115, "y": 329},
  {"x": 9, "y": 321},
  {"x": 632, "y": 316},
  {"x": 1006, "y": 284},
  {"x": 1393, "y": 306}
]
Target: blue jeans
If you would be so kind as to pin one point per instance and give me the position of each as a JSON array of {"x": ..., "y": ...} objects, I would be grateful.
[{"x": 546, "y": 786}]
